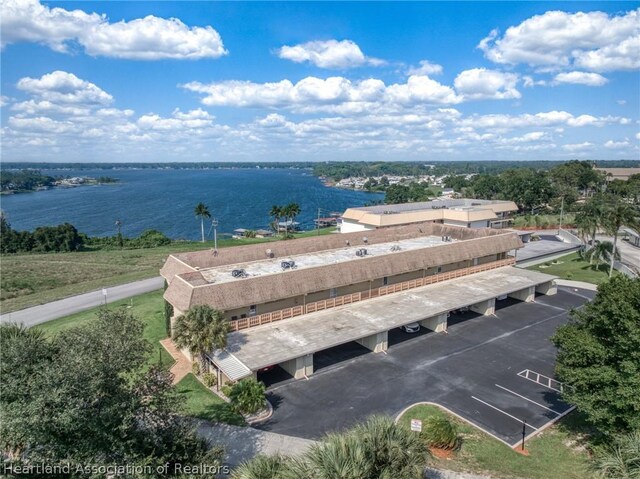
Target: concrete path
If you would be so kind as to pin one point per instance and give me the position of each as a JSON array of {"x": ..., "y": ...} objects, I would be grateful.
[
  {"x": 628, "y": 253},
  {"x": 182, "y": 367},
  {"x": 243, "y": 443},
  {"x": 577, "y": 284},
  {"x": 81, "y": 302}
]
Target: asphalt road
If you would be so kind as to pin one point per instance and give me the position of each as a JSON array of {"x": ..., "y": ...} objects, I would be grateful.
[
  {"x": 81, "y": 302},
  {"x": 477, "y": 370}
]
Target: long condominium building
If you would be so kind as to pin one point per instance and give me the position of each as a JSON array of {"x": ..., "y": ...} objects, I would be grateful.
[
  {"x": 465, "y": 212},
  {"x": 286, "y": 300}
]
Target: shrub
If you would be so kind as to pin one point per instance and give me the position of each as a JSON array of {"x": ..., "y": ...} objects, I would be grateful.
[
  {"x": 209, "y": 379},
  {"x": 247, "y": 396},
  {"x": 195, "y": 368},
  {"x": 226, "y": 389},
  {"x": 620, "y": 459},
  {"x": 440, "y": 432}
]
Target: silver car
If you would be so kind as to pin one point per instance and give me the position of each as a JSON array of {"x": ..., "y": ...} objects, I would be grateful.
[{"x": 411, "y": 328}]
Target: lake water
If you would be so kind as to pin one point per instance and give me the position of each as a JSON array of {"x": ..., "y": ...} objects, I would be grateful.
[{"x": 165, "y": 200}]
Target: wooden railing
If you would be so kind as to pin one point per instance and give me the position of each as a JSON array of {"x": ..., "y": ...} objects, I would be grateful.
[{"x": 315, "y": 306}]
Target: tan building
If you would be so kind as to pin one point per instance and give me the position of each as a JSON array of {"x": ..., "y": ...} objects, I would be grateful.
[
  {"x": 468, "y": 213},
  {"x": 286, "y": 300}
]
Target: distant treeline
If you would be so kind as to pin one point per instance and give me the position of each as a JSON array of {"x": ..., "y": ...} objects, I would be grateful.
[
  {"x": 335, "y": 170},
  {"x": 24, "y": 180},
  {"x": 65, "y": 238}
]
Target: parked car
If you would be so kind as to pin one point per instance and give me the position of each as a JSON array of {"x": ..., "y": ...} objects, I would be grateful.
[{"x": 411, "y": 328}]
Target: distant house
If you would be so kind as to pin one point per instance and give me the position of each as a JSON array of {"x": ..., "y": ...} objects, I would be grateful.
[
  {"x": 288, "y": 225},
  {"x": 326, "y": 222}
]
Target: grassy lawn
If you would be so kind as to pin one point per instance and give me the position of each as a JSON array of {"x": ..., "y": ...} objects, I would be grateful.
[
  {"x": 146, "y": 307},
  {"x": 202, "y": 403},
  {"x": 575, "y": 268},
  {"x": 556, "y": 452},
  {"x": 32, "y": 279}
]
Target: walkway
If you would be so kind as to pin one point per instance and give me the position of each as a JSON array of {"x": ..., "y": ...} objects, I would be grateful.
[
  {"x": 75, "y": 304},
  {"x": 243, "y": 443},
  {"x": 182, "y": 367}
]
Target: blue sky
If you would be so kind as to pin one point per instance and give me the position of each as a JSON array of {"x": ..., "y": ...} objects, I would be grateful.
[{"x": 203, "y": 81}]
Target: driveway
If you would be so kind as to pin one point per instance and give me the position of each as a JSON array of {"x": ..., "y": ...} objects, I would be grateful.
[{"x": 494, "y": 371}]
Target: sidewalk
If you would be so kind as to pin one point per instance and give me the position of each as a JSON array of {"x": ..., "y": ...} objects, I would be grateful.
[
  {"x": 182, "y": 367},
  {"x": 244, "y": 443},
  {"x": 577, "y": 284}
]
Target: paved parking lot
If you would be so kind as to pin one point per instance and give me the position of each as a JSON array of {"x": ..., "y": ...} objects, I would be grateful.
[{"x": 494, "y": 371}]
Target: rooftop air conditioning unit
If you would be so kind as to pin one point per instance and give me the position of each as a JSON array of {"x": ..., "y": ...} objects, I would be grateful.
[
  {"x": 395, "y": 247},
  {"x": 269, "y": 253},
  {"x": 361, "y": 252},
  {"x": 239, "y": 273},
  {"x": 288, "y": 264}
]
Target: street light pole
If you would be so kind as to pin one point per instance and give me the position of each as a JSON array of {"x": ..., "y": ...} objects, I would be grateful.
[{"x": 214, "y": 223}]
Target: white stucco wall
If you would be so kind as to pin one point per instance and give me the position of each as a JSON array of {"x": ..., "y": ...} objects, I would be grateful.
[{"x": 349, "y": 226}]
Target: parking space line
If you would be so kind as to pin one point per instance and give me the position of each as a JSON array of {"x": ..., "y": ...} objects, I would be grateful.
[
  {"x": 505, "y": 413},
  {"x": 527, "y": 399},
  {"x": 541, "y": 379}
]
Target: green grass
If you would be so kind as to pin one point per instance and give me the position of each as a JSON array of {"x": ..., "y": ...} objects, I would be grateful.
[
  {"x": 146, "y": 307},
  {"x": 544, "y": 221},
  {"x": 575, "y": 268},
  {"x": 557, "y": 452},
  {"x": 202, "y": 403},
  {"x": 32, "y": 279}
]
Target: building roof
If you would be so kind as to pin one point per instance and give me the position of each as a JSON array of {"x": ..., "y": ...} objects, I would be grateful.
[
  {"x": 192, "y": 287},
  {"x": 281, "y": 341},
  {"x": 620, "y": 173},
  {"x": 463, "y": 209}
]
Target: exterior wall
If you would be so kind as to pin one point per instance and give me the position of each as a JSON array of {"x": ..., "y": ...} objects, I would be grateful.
[
  {"x": 435, "y": 323},
  {"x": 487, "y": 307},
  {"x": 350, "y": 226},
  {"x": 527, "y": 295},
  {"x": 465, "y": 224},
  {"x": 376, "y": 342},
  {"x": 299, "y": 367}
]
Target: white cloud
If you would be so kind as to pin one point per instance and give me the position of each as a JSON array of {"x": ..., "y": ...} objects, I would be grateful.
[
  {"x": 529, "y": 82},
  {"x": 614, "y": 145},
  {"x": 313, "y": 93},
  {"x": 593, "y": 41},
  {"x": 63, "y": 87},
  {"x": 328, "y": 54},
  {"x": 581, "y": 78},
  {"x": 638, "y": 136},
  {"x": 578, "y": 146},
  {"x": 426, "y": 68},
  {"x": 481, "y": 84},
  {"x": 148, "y": 38}
]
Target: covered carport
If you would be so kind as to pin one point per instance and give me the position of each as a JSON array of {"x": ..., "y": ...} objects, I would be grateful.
[{"x": 292, "y": 343}]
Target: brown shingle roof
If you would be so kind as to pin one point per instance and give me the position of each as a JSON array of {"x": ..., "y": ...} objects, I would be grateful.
[{"x": 264, "y": 289}]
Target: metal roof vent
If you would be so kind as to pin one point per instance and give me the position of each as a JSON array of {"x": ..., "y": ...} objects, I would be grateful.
[
  {"x": 365, "y": 240},
  {"x": 269, "y": 253},
  {"x": 347, "y": 242}
]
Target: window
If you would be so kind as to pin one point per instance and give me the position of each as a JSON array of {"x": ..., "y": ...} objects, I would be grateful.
[
  {"x": 243, "y": 316},
  {"x": 333, "y": 292},
  {"x": 385, "y": 281},
  {"x": 439, "y": 269},
  {"x": 252, "y": 310},
  {"x": 233, "y": 318}
]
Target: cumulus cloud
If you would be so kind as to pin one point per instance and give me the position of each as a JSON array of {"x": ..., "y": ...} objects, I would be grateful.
[
  {"x": 585, "y": 145},
  {"x": 332, "y": 54},
  {"x": 64, "y": 87},
  {"x": 594, "y": 41},
  {"x": 482, "y": 84},
  {"x": 581, "y": 78},
  {"x": 315, "y": 93},
  {"x": 614, "y": 145},
  {"x": 425, "y": 67},
  {"x": 148, "y": 38}
]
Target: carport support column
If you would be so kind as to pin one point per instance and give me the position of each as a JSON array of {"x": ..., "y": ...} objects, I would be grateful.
[
  {"x": 376, "y": 342},
  {"x": 487, "y": 307},
  {"x": 299, "y": 367},
  {"x": 549, "y": 288},
  {"x": 527, "y": 294},
  {"x": 435, "y": 323}
]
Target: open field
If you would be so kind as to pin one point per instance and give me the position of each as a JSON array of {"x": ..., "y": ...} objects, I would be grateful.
[
  {"x": 203, "y": 404},
  {"x": 32, "y": 279},
  {"x": 542, "y": 221},
  {"x": 146, "y": 307},
  {"x": 575, "y": 268},
  {"x": 556, "y": 452}
]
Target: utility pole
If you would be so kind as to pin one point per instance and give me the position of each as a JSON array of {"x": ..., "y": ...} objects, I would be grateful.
[
  {"x": 214, "y": 223},
  {"x": 318, "y": 223},
  {"x": 561, "y": 214}
]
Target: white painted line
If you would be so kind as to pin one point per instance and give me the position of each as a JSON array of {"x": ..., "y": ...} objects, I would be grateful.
[
  {"x": 539, "y": 378},
  {"x": 527, "y": 399},
  {"x": 501, "y": 411}
]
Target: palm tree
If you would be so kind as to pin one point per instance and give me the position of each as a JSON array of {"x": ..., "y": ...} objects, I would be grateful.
[
  {"x": 620, "y": 459},
  {"x": 589, "y": 218},
  {"x": 247, "y": 396},
  {"x": 618, "y": 213},
  {"x": 261, "y": 467},
  {"x": 601, "y": 252},
  {"x": 294, "y": 210},
  {"x": 201, "y": 330},
  {"x": 202, "y": 212},
  {"x": 276, "y": 213}
]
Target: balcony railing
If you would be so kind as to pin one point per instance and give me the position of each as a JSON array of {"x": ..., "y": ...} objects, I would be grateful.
[{"x": 265, "y": 318}]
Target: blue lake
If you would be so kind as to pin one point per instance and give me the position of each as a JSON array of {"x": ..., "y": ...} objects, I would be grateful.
[{"x": 165, "y": 200}]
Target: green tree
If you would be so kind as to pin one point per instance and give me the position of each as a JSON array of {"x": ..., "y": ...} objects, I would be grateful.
[
  {"x": 602, "y": 252},
  {"x": 599, "y": 356},
  {"x": 276, "y": 213},
  {"x": 618, "y": 213},
  {"x": 85, "y": 397},
  {"x": 290, "y": 212},
  {"x": 262, "y": 467},
  {"x": 201, "y": 330},
  {"x": 619, "y": 460},
  {"x": 396, "y": 194},
  {"x": 202, "y": 212},
  {"x": 589, "y": 218},
  {"x": 247, "y": 396}
]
